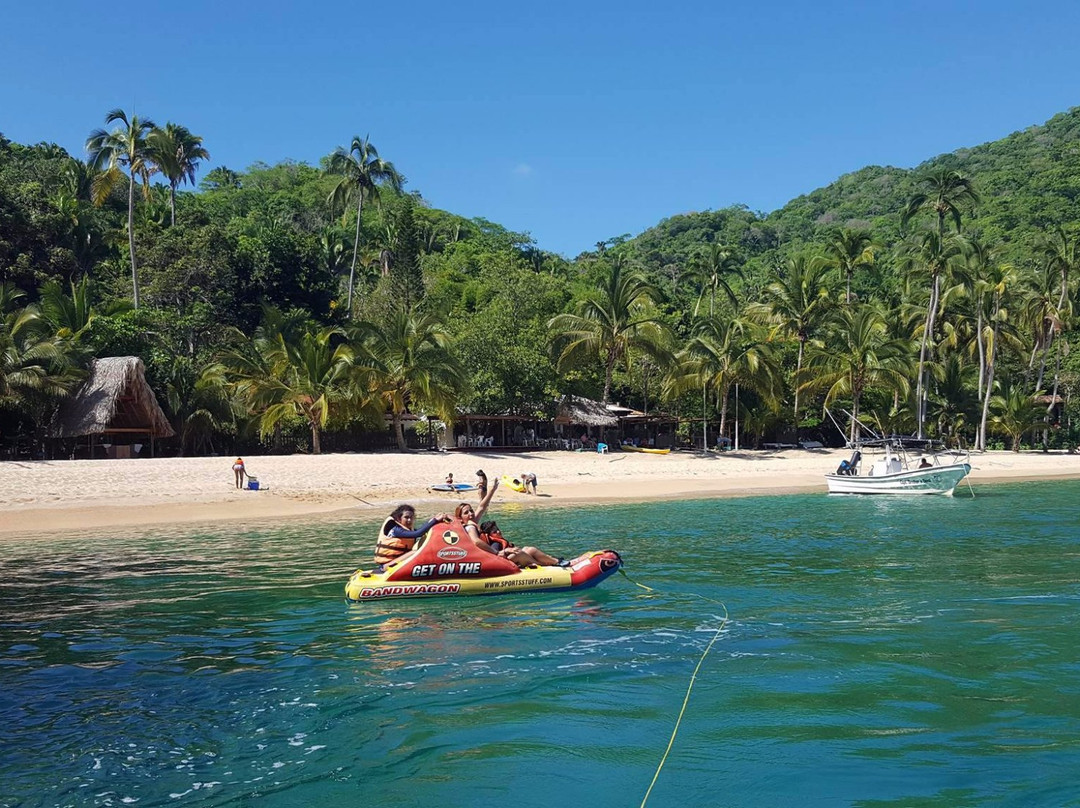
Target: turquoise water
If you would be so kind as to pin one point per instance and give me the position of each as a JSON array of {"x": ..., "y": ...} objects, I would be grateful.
[{"x": 878, "y": 653}]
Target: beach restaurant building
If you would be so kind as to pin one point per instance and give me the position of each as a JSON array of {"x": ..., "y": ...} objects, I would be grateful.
[{"x": 577, "y": 423}]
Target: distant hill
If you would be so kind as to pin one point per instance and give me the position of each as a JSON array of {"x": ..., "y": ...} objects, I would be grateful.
[{"x": 1029, "y": 183}]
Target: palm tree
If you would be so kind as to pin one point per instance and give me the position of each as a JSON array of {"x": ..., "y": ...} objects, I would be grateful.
[
  {"x": 798, "y": 302},
  {"x": 1063, "y": 254},
  {"x": 859, "y": 355},
  {"x": 849, "y": 250},
  {"x": 943, "y": 193},
  {"x": 34, "y": 365},
  {"x": 611, "y": 321},
  {"x": 953, "y": 399},
  {"x": 199, "y": 403},
  {"x": 288, "y": 371},
  {"x": 722, "y": 353},
  {"x": 711, "y": 270},
  {"x": 936, "y": 255},
  {"x": 176, "y": 152},
  {"x": 1043, "y": 316},
  {"x": 362, "y": 173},
  {"x": 996, "y": 281},
  {"x": 1015, "y": 412},
  {"x": 124, "y": 147},
  {"x": 406, "y": 361}
]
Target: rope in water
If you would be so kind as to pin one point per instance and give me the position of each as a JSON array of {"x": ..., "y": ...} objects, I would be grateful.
[{"x": 690, "y": 687}]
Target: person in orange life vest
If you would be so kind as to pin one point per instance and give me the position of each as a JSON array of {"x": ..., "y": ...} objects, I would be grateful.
[
  {"x": 397, "y": 535},
  {"x": 238, "y": 472},
  {"x": 522, "y": 556}
]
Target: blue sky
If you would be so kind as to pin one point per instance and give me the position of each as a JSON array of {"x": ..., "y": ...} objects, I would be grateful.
[{"x": 574, "y": 121}]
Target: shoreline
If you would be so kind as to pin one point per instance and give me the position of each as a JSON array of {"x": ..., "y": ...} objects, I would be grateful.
[{"x": 67, "y": 496}]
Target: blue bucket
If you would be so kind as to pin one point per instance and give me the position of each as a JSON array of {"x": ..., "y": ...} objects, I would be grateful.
[{"x": 253, "y": 485}]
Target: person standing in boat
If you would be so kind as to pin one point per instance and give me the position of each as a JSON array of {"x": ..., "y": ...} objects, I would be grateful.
[{"x": 397, "y": 536}]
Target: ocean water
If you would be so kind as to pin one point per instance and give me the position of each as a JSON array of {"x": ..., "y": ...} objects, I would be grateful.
[{"x": 875, "y": 652}]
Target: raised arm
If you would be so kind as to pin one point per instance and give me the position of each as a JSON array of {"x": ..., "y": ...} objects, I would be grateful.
[{"x": 481, "y": 509}]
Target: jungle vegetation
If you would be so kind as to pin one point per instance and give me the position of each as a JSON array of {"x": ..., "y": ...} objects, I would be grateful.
[{"x": 305, "y": 307}]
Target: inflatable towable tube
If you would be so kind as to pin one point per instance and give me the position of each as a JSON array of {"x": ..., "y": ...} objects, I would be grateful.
[{"x": 448, "y": 564}]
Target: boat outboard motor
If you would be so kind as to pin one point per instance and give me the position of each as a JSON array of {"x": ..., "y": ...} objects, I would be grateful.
[{"x": 850, "y": 468}]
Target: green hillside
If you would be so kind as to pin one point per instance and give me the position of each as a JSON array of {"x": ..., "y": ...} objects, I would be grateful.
[{"x": 299, "y": 306}]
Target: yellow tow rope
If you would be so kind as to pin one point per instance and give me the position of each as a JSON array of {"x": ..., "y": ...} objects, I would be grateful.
[{"x": 693, "y": 677}]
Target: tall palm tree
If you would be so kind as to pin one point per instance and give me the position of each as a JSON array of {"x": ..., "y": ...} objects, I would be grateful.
[
  {"x": 944, "y": 193},
  {"x": 405, "y": 361},
  {"x": 614, "y": 319},
  {"x": 859, "y": 355},
  {"x": 1062, "y": 253},
  {"x": 798, "y": 302},
  {"x": 1043, "y": 316},
  {"x": 176, "y": 152},
  {"x": 362, "y": 173},
  {"x": 994, "y": 281},
  {"x": 935, "y": 255},
  {"x": 847, "y": 251},
  {"x": 711, "y": 269},
  {"x": 124, "y": 147}
]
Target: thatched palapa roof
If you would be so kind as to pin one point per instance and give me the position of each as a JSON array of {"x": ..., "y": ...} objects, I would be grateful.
[
  {"x": 585, "y": 411},
  {"x": 114, "y": 399}
]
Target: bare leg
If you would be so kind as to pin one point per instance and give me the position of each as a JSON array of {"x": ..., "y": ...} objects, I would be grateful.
[{"x": 540, "y": 556}]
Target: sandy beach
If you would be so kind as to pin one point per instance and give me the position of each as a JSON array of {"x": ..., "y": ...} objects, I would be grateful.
[{"x": 69, "y": 495}]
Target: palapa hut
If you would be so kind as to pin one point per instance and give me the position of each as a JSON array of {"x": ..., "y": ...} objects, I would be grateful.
[
  {"x": 115, "y": 408},
  {"x": 575, "y": 411}
]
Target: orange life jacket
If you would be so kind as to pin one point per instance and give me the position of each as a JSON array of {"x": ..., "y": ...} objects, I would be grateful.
[
  {"x": 388, "y": 548},
  {"x": 497, "y": 540}
]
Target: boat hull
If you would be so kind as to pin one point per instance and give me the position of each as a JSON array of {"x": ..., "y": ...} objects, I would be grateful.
[{"x": 934, "y": 480}]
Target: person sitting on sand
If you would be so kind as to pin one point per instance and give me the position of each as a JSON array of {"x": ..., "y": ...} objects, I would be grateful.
[
  {"x": 522, "y": 556},
  {"x": 397, "y": 536},
  {"x": 528, "y": 479},
  {"x": 450, "y": 478},
  {"x": 481, "y": 483},
  {"x": 238, "y": 472}
]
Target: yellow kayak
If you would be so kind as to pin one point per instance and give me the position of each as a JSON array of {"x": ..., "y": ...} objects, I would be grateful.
[
  {"x": 513, "y": 483},
  {"x": 629, "y": 447}
]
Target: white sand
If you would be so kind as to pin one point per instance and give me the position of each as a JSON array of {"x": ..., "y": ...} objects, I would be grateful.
[{"x": 48, "y": 496}]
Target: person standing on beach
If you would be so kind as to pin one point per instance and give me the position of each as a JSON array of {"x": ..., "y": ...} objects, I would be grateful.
[
  {"x": 238, "y": 472},
  {"x": 481, "y": 483}
]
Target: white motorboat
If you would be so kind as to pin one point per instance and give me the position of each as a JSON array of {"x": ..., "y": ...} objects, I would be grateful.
[{"x": 902, "y": 466}]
